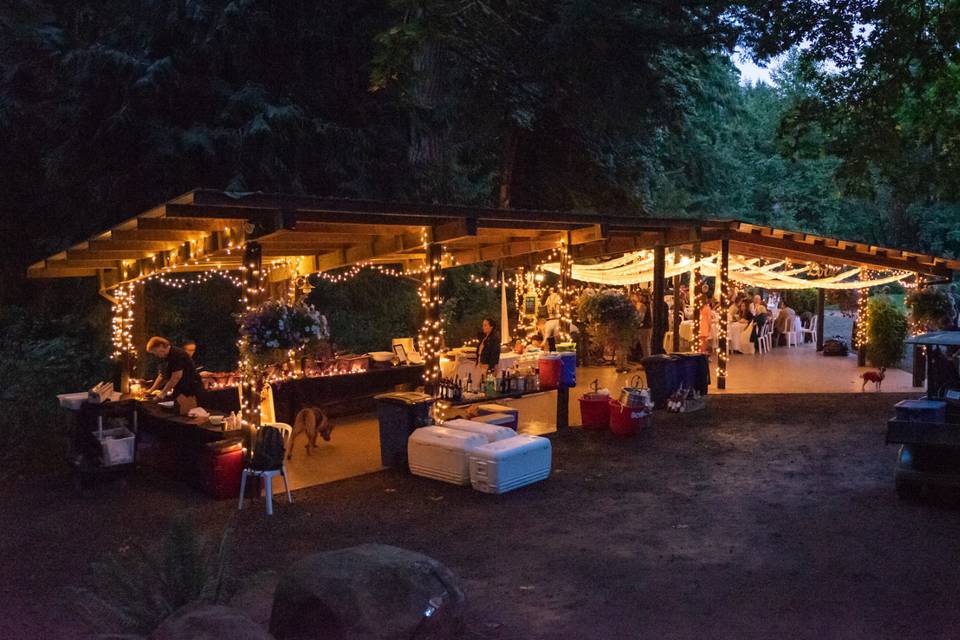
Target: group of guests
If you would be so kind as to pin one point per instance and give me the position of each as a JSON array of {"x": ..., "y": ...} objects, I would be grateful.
[{"x": 753, "y": 314}]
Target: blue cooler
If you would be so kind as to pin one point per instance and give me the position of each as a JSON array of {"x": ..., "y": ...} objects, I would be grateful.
[
  {"x": 568, "y": 368},
  {"x": 921, "y": 410}
]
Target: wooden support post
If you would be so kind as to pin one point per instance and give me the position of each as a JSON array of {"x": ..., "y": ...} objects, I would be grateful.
[
  {"x": 919, "y": 365},
  {"x": 251, "y": 297},
  {"x": 659, "y": 306},
  {"x": 821, "y": 299},
  {"x": 677, "y": 306},
  {"x": 724, "y": 284},
  {"x": 431, "y": 329},
  {"x": 566, "y": 271},
  {"x": 139, "y": 330},
  {"x": 563, "y": 408},
  {"x": 697, "y": 298}
]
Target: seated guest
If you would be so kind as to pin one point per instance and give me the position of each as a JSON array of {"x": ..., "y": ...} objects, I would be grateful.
[{"x": 783, "y": 324}]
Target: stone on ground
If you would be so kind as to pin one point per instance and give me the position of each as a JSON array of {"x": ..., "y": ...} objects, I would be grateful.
[
  {"x": 209, "y": 622},
  {"x": 367, "y": 592}
]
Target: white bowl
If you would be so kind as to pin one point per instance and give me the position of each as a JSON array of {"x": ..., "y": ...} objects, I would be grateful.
[{"x": 381, "y": 356}]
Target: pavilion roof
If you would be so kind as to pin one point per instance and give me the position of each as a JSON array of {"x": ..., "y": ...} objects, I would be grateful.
[{"x": 205, "y": 228}]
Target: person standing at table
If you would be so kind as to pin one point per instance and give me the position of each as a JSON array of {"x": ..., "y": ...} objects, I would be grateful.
[
  {"x": 646, "y": 323},
  {"x": 550, "y": 330},
  {"x": 759, "y": 310},
  {"x": 177, "y": 377},
  {"x": 488, "y": 351}
]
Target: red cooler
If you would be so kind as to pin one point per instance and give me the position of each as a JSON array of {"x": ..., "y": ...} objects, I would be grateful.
[
  {"x": 221, "y": 468},
  {"x": 626, "y": 421},
  {"x": 550, "y": 367}
]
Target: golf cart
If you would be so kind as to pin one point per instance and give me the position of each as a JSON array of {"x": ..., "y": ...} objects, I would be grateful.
[{"x": 928, "y": 429}]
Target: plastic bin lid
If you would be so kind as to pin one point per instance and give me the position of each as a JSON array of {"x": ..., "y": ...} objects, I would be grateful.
[
  {"x": 657, "y": 359},
  {"x": 921, "y": 404},
  {"x": 404, "y": 397},
  {"x": 549, "y": 355}
]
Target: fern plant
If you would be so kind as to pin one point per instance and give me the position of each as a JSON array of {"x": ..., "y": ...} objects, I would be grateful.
[{"x": 134, "y": 592}]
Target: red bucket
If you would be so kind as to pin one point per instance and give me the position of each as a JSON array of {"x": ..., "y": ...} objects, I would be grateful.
[
  {"x": 595, "y": 411},
  {"x": 626, "y": 421}
]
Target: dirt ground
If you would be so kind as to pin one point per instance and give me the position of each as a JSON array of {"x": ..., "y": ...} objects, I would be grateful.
[{"x": 763, "y": 517}]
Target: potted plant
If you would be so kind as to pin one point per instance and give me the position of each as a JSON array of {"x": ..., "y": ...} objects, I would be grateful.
[{"x": 613, "y": 321}]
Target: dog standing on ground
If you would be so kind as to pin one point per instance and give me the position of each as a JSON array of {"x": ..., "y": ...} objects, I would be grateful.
[
  {"x": 876, "y": 377},
  {"x": 311, "y": 422}
]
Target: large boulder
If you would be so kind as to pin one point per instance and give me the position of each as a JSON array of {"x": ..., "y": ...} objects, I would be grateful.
[
  {"x": 255, "y": 599},
  {"x": 368, "y": 592},
  {"x": 209, "y": 622}
]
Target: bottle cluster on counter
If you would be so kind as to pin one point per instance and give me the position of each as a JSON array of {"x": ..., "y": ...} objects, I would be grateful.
[{"x": 509, "y": 381}]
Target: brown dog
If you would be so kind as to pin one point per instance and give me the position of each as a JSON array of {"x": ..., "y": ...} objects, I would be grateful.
[
  {"x": 876, "y": 377},
  {"x": 310, "y": 421}
]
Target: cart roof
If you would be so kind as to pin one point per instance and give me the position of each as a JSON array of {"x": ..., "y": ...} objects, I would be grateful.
[{"x": 947, "y": 338}]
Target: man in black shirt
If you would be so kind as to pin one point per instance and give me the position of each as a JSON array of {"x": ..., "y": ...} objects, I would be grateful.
[{"x": 177, "y": 376}]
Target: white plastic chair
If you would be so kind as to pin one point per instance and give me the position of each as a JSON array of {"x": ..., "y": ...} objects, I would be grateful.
[
  {"x": 765, "y": 341},
  {"x": 793, "y": 336},
  {"x": 812, "y": 330},
  {"x": 268, "y": 475}
]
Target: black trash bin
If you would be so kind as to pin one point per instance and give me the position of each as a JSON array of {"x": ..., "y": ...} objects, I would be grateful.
[
  {"x": 663, "y": 377},
  {"x": 400, "y": 414}
]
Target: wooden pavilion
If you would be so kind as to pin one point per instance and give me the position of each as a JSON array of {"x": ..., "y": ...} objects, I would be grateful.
[{"x": 206, "y": 229}]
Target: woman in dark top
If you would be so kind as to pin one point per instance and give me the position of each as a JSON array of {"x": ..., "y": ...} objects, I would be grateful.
[{"x": 488, "y": 353}]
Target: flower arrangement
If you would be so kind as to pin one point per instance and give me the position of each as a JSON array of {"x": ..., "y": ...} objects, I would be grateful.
[{"x": 274, "y": 328}]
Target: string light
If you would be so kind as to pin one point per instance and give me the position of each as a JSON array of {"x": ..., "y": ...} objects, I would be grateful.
[
  {"x": 122, "y": 321},
  {"x": 862, "y": 321},
  {"x": 430, "y": 337},
  {"x": 722, "y": 346}
]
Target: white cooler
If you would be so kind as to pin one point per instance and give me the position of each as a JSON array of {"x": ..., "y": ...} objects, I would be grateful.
[
  {"x": 491, "y": 432},
  {"x": 500, "y": 419},
  {"x": 509, "y": 464},
  {"x": 441, "y": 453},
  {"x": 487, "y": 409}
]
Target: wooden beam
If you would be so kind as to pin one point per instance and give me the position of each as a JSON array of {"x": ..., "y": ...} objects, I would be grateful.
[
  {"x": 776, "y": 247},
  {"x": 455, "y": 229},
  {"x": 186, "y": 224},
  {"x": 165, "y": 235},
  {"x": 499, "y": 251},
  {"x": 133, "y": 245}
]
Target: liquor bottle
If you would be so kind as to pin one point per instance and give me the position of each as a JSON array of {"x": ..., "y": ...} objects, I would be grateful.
[{"x": 469, "y": 382}]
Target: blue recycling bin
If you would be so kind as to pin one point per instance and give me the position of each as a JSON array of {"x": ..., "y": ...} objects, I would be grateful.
[{"x": 663, "y": 377}]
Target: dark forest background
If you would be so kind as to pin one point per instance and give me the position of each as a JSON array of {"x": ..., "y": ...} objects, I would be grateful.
[{"x": 110, "y": 107}]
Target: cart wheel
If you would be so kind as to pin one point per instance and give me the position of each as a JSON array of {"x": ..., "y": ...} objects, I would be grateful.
[{"x": 909, "y": 490}]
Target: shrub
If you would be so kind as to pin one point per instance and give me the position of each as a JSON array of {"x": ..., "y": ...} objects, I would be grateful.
[
  {"x": 41, "y": 356},
  {"x": 137, "y": 590},
  {"x": 886, "y": 332},
  {"x": 930, "y": 308},
  {"x": 801, "y": 300}
]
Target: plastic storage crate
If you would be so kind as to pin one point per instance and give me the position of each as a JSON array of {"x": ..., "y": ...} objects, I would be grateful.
[{"x": 509, "y": 464}]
